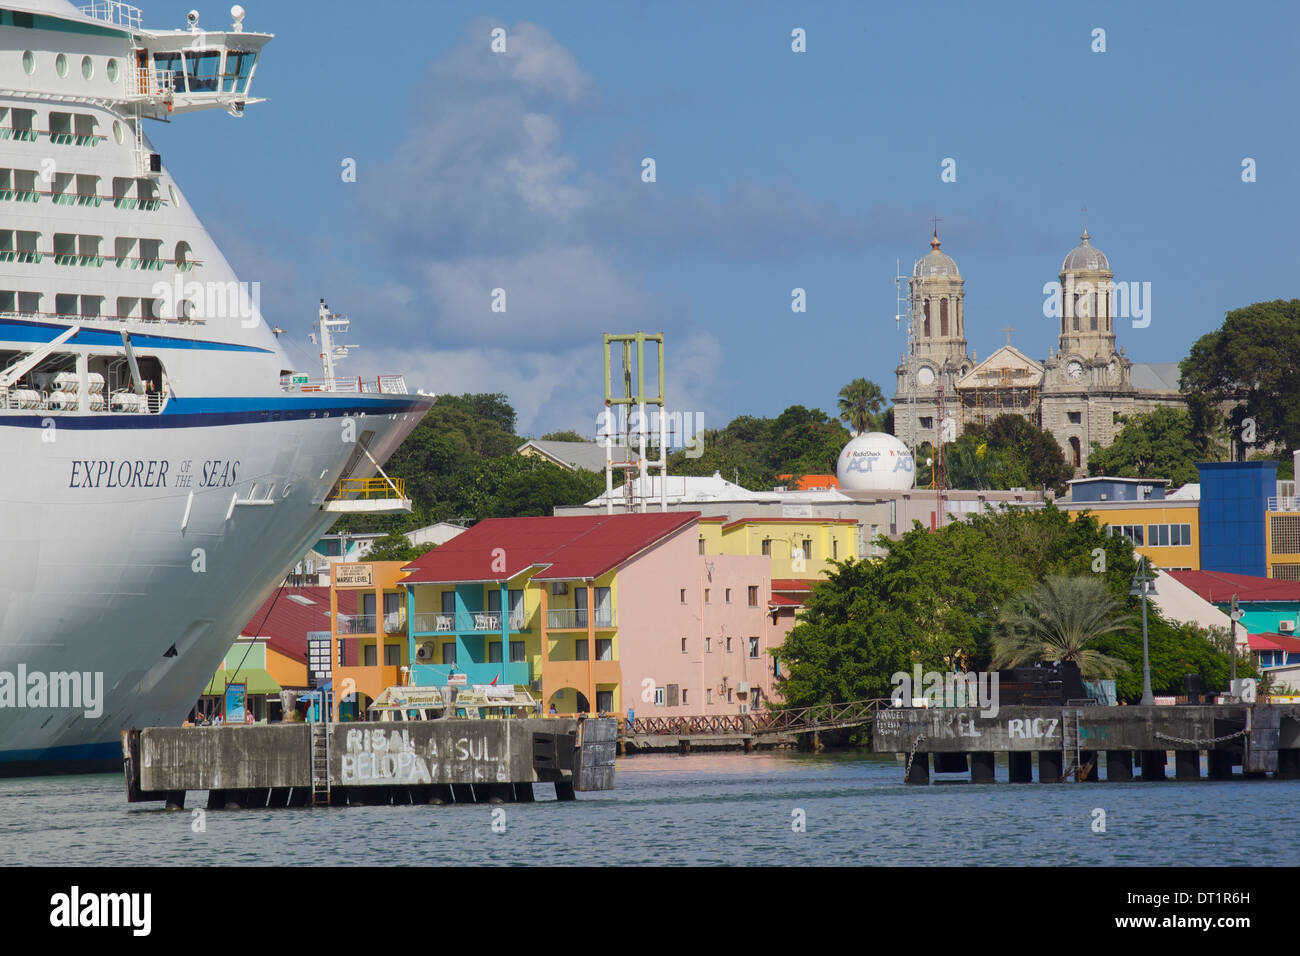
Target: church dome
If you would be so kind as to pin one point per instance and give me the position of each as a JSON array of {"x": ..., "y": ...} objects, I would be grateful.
[
  {"x": 1085, "y": 258},
  {"x": 935, "y": 263}
]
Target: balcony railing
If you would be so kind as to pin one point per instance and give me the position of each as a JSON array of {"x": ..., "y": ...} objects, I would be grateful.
[
  {"x": 447, "y": 622},
  {"x": 356, "y": 624},
  {"x": 1284, "y": 504},
  {"x": 573, "y": 618},
  {"x": 381, "y": 385}
]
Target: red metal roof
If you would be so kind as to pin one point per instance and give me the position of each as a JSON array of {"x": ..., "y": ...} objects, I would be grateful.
[
  {"x": 1274, "y": 642},
  {"x": 791, "y": 584},
  {"x": 289, "y": 621},
  {"x": 563, "y": 548},
  {"x": 780, "y": 600},
  {"x": 1219, "y": 586}
]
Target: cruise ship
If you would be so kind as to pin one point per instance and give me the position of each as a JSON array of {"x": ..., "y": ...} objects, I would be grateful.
[{"x": 162, "y": 462}]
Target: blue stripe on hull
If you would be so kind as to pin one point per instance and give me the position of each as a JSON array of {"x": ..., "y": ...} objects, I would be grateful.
[
  {"x": 42, "y": 332},
  {"x": 78, "y": 758},
  {"x": 207, "y": 412}
]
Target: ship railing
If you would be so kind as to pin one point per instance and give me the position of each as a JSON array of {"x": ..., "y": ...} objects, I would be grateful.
[
  {"x": 1284, "y": 504},
  {"x": 114, "y": 11},
  {"x": 121, "y": 401},
  {"x": 369, "y": 489},
  {"x": 102, "y": 317},
  {"x": 380, "y": 385}
]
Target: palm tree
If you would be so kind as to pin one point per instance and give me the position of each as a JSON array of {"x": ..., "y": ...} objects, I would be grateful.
[
  {"x": 860, "y": 404},
  {"x": 1055, "y": 620}
]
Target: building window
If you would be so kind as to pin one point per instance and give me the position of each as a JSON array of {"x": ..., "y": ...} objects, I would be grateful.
[
  {"x": 604, "y": 649},
  {"x": 683, "y": 695},
  {"x": 516, "y": 652},
  {"x": 392, "y": 655},
  {"x": 807, "y": 549},
  {"x": 449, "y": 653},
  {"x": 1076, "y": 418},
  {"x": 448, "y": 602},
  {"x": 767, "y": 547},
  {"x": 580, "y": 649},
  {"x": 728, "y": 695},
  {"x": 368, "y": 656},
  {"x": 701, "y": 546},
  {"x": 943, "y": 328},
  {"x": 726, "y": 595},
  {"x": 753, "y": 595},
  {"x": 494, "y": 652},
  {"x": 683, "y": 595},
  {"x": 706, "y": 595},
  {"x": 683, "y": 645},
  {"x": 1131, "y": 531},
  {"x": 835, "y": 549},
  {"x": 753, "y": 648},
  {"x": 708, "y": 695},
  {"x": 927, "y": 421},
  {"x": 708, "y": 648},
  {"x": 660, "y": 695},
  {"x": 728, "y": 645}
]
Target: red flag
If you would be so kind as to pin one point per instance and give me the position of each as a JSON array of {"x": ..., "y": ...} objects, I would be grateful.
[{"x": 494, "y": 681}]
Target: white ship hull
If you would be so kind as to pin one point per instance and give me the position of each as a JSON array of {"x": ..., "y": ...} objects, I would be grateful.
[{"x": 162, "y": 464}]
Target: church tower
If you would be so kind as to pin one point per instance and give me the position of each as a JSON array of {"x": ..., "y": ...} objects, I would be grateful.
[
  {"x": 936, "y": 349},
  {"x": 1087, "y": 309}
]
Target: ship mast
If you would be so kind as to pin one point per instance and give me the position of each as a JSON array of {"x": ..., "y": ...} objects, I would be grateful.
[{"x": 328, "y": 323}]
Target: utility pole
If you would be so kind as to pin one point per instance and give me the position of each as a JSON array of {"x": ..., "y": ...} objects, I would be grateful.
[
  {"x": 1235, "y": 614},
  {"x": 1144, "y": 584}
]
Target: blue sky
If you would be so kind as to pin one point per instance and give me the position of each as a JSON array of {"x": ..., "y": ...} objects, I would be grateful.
[{"x": 775, "y": 170}]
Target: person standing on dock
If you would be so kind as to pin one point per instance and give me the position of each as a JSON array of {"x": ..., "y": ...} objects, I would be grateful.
[{"x": 631, "y": 716}]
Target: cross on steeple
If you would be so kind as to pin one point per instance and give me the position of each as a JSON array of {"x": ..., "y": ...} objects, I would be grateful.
[
  {"x": 934, "y": 221},
  {"x": 1008, "y": 329}
]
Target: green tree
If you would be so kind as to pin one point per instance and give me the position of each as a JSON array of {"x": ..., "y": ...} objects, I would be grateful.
[
  {"x": 396, "y": 547},
  {"x": 1030, "y": 457},
  {"x": 1155, "y": 444},
  {"x": 860, "y": 404},
  {"x": 1249, "y": 365},
  {"x": 1058, "y": 620},
  {"x": 970, "y": 463},
  {"x": 567, "y": 435}
]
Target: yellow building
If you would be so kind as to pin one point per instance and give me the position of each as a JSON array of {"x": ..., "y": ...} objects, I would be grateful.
[
  {"x": 1167, "y": 532},
  {"x": 796, "y": 547},
  {"x": 370, "y": 644},
  {"x": 1282, "y": 539}
]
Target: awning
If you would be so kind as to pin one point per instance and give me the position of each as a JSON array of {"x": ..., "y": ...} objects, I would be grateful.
[{"x": 257, "y": 679}]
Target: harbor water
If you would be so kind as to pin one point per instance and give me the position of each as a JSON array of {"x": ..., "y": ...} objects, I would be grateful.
[{"x": 778, "y": 808}]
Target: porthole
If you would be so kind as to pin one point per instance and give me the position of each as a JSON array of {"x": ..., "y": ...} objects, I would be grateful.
[
  {"x": 87, "y": 67},
  {"x": 112, "y": 71},
  {"x": 117, "y": 132},
  {"x": 61, "y": 65},
  {"x": 29, "y": 62}
]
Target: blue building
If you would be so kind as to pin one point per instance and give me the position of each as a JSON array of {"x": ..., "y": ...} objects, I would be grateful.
[{"x": 1234, "y": 499}]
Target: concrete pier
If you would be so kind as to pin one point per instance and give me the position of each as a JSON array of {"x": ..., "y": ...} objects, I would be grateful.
[
  {"x": 1260, "y": 738},
  {"x": 370, "y": 764}
]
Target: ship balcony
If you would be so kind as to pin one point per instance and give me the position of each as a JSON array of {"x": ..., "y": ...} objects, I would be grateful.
[
  {"x": 576, "y": 619},
  {"x": 374, "y": 496},
  {"x": 465, "y": 622}
]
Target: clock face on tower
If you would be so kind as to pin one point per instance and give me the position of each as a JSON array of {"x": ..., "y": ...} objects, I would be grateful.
[
  {"x": 1074, "y": 370},
  {"x": 925, "y": 375}
]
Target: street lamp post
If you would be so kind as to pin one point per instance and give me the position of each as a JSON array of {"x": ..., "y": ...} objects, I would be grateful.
[{"x": 1143, "y": 585}]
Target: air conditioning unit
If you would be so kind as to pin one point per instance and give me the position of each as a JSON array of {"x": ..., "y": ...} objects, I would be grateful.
[
  {"x": 425, "y": 651},
  {"x": 1286, "y": 627},
  {"x": 559, "y": 587}
]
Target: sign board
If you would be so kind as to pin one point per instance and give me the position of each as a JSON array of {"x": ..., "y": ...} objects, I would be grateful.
[
  {"x": 458, "y": 680},
  {"x": 235, "y": 699},
  {"x": 297, "y": 379},
  {"x": 320, "y": 657},
  {"x": 353, "y": 575}
]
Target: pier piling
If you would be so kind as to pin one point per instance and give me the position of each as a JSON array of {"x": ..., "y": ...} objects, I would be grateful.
[
  {"x": 1119, "y": 766},
  {"x": 175, "y": 799},
  {"x": 1050, "y": 766},
  {"x": 982, "y": 766},
  {"x": 1153, "y": 765},
  {"x": 1187, "y": 765},
  {"x": 919, "y": 771},
  {"x": 1020, "y": 765}
]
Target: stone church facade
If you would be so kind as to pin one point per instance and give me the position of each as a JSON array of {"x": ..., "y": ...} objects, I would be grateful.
[{"x": 1077, "y": 393}]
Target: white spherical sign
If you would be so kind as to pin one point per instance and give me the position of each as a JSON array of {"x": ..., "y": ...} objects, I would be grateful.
[{"x": 875, "y": 462}]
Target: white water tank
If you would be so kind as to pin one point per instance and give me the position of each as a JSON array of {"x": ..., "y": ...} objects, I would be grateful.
[{"x": 875, "y": 461}]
